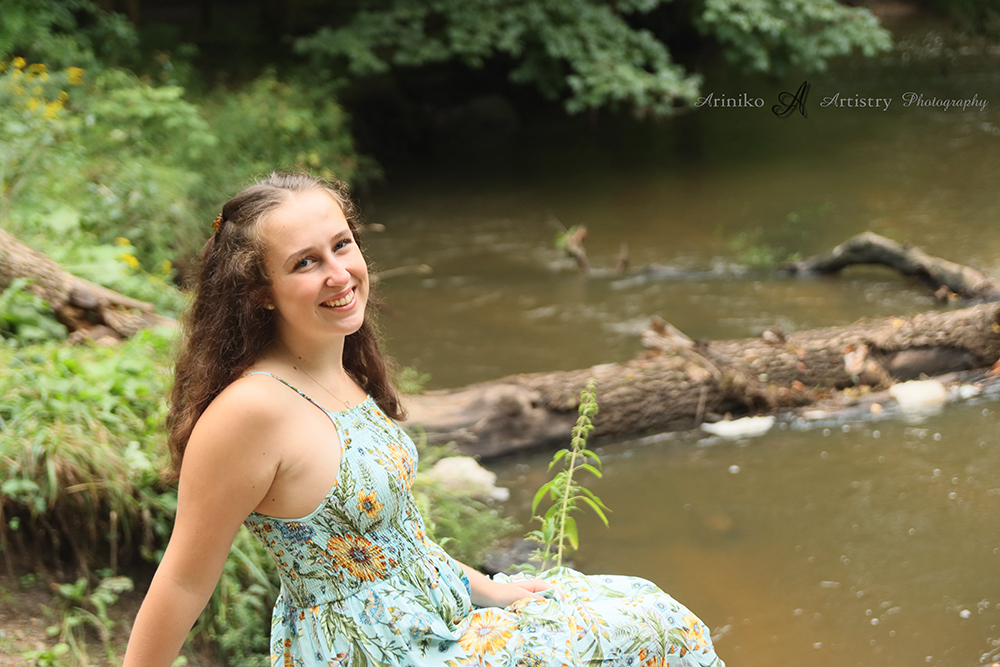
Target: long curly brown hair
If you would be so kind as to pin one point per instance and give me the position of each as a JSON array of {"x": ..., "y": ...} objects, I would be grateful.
[{"x": 227, "y": 326}]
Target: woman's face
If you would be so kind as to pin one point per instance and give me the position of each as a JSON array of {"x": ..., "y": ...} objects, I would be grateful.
[{"x": 319, "y": 279}]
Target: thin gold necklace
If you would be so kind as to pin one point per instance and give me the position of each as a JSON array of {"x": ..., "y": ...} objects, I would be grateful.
[{"x": 346, "y": 403}]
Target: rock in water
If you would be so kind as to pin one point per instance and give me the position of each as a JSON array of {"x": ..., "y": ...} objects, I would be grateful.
[
  {"x": 919, "y": 394},
  {"x": 747, "y": 427},
  {"x": 464, "y": 476}
]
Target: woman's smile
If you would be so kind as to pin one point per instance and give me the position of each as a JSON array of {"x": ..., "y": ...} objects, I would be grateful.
[{"x": 345, "y": 302}]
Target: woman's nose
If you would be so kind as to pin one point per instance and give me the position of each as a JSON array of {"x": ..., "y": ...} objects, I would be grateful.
[{"x": 337, "y": 274}]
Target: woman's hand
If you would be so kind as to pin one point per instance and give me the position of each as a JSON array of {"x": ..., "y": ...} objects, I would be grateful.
[{"x": 495, "y": 594}]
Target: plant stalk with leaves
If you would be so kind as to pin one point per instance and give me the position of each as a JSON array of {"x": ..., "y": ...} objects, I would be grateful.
[{"x": 558, "y": 526}]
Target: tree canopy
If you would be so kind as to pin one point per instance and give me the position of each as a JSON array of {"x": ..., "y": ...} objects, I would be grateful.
[{"x": 593, "y": 53}]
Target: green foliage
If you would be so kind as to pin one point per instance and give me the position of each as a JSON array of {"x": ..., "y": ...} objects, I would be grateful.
[
  {"x": 71, "y": 419},
  {"x": 565, "y": 492},
  {"x": 773, "y": 35},
  {"x": 53, "y": 656},
  {"x": 80, "y": 607},
  {"x": 409, "y": 380},
  {"x": 91, "y": 152},
  {"x": 465, "y": 527},
  {"x": 580, "y": 50},
  {"x": 32, "y": 125},
  {"x": 275, "y": 124},
  {"x": 25, "y": 319},
  {"x": 972, "y": 16},
  {"x": 65, "y": 33},
  {"x": 586, "y": 52},
  {"x": 115, "y": 157}
]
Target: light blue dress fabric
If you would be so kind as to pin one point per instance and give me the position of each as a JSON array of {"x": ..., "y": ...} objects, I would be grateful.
[{"x": 362, "y": 585}]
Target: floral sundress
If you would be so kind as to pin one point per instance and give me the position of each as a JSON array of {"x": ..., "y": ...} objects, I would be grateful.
[{"x": 363, "y": 586}]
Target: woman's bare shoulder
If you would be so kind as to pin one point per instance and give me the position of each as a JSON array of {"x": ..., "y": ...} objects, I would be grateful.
[{"x": 250, "y": 410}]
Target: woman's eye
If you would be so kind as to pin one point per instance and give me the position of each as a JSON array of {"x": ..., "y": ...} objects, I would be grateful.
[
  {"x": 341, "y": 244},
  {"x": 303, "y": 263}
]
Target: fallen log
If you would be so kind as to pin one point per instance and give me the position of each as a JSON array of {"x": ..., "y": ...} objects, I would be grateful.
[
  {"x": 85, "y": 308},
  {"x": 941, "y": 275},
  {"x": 672, "y": 385}
]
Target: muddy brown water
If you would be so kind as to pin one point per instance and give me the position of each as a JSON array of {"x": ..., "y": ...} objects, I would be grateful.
[{"x": 871, "y": 543}]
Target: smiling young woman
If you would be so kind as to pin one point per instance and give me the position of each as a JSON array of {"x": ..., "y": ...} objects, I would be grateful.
[{"x": 283, "y": 420}]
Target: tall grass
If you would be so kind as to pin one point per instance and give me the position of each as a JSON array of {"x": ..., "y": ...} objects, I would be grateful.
[{"x": 80, "y": 450}]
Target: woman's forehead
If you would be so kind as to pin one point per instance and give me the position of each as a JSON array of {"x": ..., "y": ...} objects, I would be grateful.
[{"x": 302, "y": 215}]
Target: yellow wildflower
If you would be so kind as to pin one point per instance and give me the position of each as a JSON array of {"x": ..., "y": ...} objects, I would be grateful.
[
  {"x": 44, "y": 76},
  {"x": 369, "y": 504},
  {"x": 52, "y": 108},
  {"x": 37, "y": 90},
  {"x": 37, "y": 68},
  {"x": 167, "y": 267},
  {"x": 32, "y": 104},
  {"x": 121, "y": 240},
  {"x": 19, "y": 62},
  {"x": 63, "y": 96},
  {"x": 74, "y": 75},
  {"x": 130, "y": 260}
]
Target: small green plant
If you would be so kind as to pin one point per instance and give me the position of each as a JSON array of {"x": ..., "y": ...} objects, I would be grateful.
[
  {"x": 53, "y": 656},
  {"x": 409, "y": 380},
  {"x": 557, "y": 526},
  {"x": 79, "y": 607}
]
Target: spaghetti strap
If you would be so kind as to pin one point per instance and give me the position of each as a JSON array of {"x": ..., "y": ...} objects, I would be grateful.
[{"x": 293, "y": 388}]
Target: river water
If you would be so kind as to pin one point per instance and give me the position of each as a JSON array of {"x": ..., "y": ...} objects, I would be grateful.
[{"x": 873, "y": 543}]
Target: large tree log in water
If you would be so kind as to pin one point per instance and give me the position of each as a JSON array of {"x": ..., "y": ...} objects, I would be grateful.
[
  {"x": 680, "y": 382},
  {"x": 671, "y": 387}
]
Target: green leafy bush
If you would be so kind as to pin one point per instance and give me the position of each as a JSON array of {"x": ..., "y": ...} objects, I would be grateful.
[
  {"x": 81, "y": 447},
  {"x": 283, "y": 124},
  {"x": 66, "y": 33},
  {"x": 773, "y": 35},
  {"x": 26, "y": 319}
]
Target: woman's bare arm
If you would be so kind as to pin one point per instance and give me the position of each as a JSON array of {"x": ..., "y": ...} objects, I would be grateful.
[{"x": 228, "y": 468}]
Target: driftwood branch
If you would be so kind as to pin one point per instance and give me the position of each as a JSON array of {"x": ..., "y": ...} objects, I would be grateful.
[{"x": 870, "y": 248}]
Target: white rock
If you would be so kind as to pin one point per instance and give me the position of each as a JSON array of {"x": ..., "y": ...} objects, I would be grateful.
[
  {"x": 919, "y": 394},
  {"x": 463, "y": 475},
  {"x": 747, "y": 427},
  {"x": 967, "y": 391}
]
